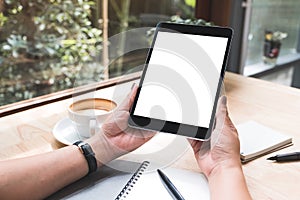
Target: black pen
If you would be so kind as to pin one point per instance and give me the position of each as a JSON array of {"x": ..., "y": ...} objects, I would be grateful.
[
  {"x": 170, "y": 186},
  {"x": 295, "y": 156}
]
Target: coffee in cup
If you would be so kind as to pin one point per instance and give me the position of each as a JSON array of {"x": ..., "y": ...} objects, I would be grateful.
[{"x": 88, "y": 114}]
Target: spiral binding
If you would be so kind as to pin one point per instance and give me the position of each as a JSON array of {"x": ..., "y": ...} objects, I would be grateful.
[{"x": 134, "y": 178}]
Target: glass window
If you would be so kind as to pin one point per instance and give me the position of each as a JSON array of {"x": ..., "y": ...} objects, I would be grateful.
[
  {"x": 52, "y": 45},
  {"x": 272, "y": 15}
]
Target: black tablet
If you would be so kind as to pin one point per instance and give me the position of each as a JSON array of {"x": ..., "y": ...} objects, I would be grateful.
[{"x": 181, "y": 80}]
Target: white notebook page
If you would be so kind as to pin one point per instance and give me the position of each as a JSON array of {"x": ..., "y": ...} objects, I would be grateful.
[
  {"x": 107, "y": 183},
  {"x": 192, "y": 186},
  {"x": 257, "y": 139}
]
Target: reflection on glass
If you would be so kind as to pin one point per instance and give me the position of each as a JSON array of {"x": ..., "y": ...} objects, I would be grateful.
[
  {"x": 46, "y": 46},
  {"x": 273, "y": 15}
]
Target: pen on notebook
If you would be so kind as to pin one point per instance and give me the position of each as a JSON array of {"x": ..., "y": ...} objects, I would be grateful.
[
  {"x": 295, "y": 156},
  {"x": 170, "y": 186}
]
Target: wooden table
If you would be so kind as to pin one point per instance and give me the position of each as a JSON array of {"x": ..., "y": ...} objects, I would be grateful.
[{"x": 30, "y": 132}]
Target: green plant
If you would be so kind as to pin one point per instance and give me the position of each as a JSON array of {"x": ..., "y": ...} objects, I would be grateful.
[
  {"x": 192, "y": 21},
  {"x": 276, "y": 36},
  {"x": 179, "y": 20},
  {"x": 61, "y": 30},
  {"x": 45, "y": 45},
  {"x": 3, "y": 19},
  {"x": 272, "y": 46}
]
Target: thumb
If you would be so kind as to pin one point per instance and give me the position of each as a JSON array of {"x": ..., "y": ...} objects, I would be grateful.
[
  {"x": 127, "y": 103},
  {"x": 221, "y": 113}
]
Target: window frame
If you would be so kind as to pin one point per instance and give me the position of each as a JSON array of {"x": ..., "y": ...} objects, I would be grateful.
[
  {"x": 226, "y": 13},
  {"x": 284, "y": 62}
]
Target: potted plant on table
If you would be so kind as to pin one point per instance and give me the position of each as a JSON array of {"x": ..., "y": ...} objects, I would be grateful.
[{"x": 272, "y": 46}]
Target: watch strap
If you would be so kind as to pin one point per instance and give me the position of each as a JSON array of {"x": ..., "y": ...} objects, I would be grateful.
[{"x": 89, "y": 155}]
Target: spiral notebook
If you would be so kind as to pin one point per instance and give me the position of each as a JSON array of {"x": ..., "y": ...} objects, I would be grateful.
[{"x": 142, "y": 183}]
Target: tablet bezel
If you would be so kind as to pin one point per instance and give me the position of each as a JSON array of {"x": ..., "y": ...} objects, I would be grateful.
[{"x": 201, "y": 133}]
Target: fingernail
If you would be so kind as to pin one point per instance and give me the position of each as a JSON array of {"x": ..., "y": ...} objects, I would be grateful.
[
  {"x": 224, "y": 100},
  {"x": 133, "y": 85}
]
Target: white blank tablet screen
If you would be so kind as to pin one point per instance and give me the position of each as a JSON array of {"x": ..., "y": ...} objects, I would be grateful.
[{"x": 182, "y": 78}]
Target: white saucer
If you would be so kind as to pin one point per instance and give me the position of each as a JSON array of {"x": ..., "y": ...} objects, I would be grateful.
[
  {"x": 65, "y": 132},
  {"x": 163, "y": 149}
]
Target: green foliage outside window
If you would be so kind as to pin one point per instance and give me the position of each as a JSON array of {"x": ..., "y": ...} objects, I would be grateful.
[
  {"x": 50, "y": 45},
  {"x": 45, "y": 43}
]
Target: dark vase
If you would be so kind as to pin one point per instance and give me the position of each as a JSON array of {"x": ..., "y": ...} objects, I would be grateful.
[{"x": 271, "y": 51}]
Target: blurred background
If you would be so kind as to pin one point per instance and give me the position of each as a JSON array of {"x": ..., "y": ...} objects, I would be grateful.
[{"x": 47, "y": 45}]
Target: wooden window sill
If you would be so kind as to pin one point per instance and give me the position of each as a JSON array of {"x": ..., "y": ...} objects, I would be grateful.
[
  {"x": 260, "y": 69},
  {"x": 65, "y": 94}
]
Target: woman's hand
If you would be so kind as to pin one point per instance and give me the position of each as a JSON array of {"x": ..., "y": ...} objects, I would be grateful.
[
  {"x": 223, "y": 149},
  {"x": 219, "y": 158},
  {"x": 116, "y": 138}
]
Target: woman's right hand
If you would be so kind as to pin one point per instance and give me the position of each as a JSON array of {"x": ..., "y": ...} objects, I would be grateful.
[
  {"x": 219, "y": 158},
  {"x": 224, "y": 146}
]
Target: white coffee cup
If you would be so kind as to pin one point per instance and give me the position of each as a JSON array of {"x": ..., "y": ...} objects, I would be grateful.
[{"x": 87, "y": 115}]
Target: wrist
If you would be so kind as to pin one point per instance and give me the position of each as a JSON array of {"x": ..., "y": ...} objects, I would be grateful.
[
  {"x": 88, "y": 154},
  {"x": 224, "y": 167},
  {"x": 104, "y": 150},
  {"x": 100, "y": 153},
  {"x": 225, "y": 177}
]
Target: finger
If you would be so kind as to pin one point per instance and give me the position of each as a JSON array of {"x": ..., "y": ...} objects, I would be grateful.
[
  {"x": 132, "y": 94},
  {"x": 200, "y": 148},
  {"x": 195, "y": 144},
  {"x": 222, "y": 105},
  {"x": 221, "y": 113},
  {"x": 127, "y": 103}
]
